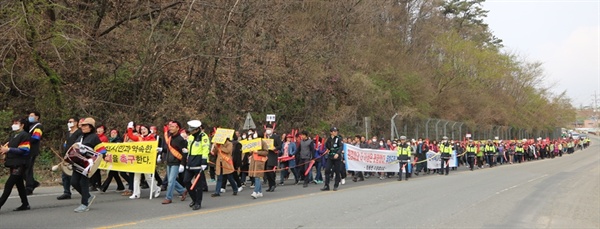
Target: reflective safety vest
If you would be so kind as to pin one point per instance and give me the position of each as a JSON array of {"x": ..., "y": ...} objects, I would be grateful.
[
  {"x": 404, "y": 150},
  {"x": 471, "y": 150},
  {"x": 446, "y": 150},
  {"x": 490, "y": 148},
  {"x": 519, "y": 149},
  {"x": 200, "y": 147}
]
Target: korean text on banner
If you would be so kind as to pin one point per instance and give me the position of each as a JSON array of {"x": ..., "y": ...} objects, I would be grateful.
[
  {"x": 434, "y": 160},
  {"x": 370, "y": 160},
  {"x": 134, "y": 157},
  {"x": 221, "y": 135},
  {"x": 250, "y": 145}
]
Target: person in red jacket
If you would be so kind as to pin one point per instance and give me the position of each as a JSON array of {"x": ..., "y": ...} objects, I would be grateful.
[{"x": 144, "y": 135}]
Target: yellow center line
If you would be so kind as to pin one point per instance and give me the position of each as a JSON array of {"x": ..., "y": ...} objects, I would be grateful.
[{"x": 244, "y": 205}]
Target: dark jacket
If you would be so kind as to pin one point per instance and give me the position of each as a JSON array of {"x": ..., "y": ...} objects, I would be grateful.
[
  {"x": 335, "y": 146},
  {"x": 178, "y": 144},
  {"x": 71, "y": 138},
  {"x": 305, "y": 153},
  {"x": 90, "y": 139},
  {"x": 421, "y": 151},
  {"x": 19, "y": 151},
  {"x": 237, "y": 154},
  {"x": 272, "y": 156},
  {"x": 35, "y": 132}
]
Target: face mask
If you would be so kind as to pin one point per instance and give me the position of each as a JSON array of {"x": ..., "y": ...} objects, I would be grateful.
[
  {"x": 381, "y": 143},
  {"x": 70, "y": 125},
  {"x": 269, "y": 132},
  {"x": 255, "y": 135},
  {"x": 15, "y": 127},
  {"x": 395, "y": 145},
  {"x": 420, "y": 142},
  {"x": 244, "y": 136},
  {"x": 374, "y": 140},
  {"x": 31, "y": 119}
]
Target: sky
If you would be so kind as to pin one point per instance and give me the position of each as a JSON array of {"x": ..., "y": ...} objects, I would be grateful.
[{"x": 562, "y": 35}]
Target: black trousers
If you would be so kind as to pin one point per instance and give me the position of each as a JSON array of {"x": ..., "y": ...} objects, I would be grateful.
[
  {"x": 302, "y": 170},
  {"x": 96, "y": 179},
  {"x": 490, "y": 159},
  {"x": 421, "y": 166},
  {"x": 333, "y": 166},
  {"x": 236, "y": 178},
  {"x": 109, "y": 178},
  {"x": 30, "y": 182},
  {"x": 81, "y": 183},
  {"x": 15, "y": 178},
  {"x": 471, "y": 161},
  {"x": 188, "y": 180},
  {"x": 270, "y": 176},
  {"x": 444, "y": 163}
]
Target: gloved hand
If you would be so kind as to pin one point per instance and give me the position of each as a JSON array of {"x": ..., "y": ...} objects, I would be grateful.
[
  {"x": 408, "y": 161},
  {"x": 159, "y": 149},
  {"x": 181, "y": 168},
  {"x": 184, "y": 150},
  {"x": 158, "y": 159},
  {"x": 203, "y": 167},
  {"x": 130, "y": 125}
]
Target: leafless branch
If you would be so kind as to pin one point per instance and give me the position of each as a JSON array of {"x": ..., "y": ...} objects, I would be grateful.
[{"x": 120, "y": 22}]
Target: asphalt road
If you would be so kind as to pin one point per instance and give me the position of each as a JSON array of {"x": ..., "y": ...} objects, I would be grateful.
[{"x": 553, "y": 193}]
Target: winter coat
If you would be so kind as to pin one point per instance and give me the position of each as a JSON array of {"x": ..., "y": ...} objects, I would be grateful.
[
  {"x": 257, "y": 161},
  {"x": 224, "y": 162}
]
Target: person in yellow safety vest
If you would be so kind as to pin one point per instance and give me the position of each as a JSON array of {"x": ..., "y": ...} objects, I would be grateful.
[
  {"x": 490, "y": 150},
  {"x": 471, "y": 151},
  {"x": 519, "y": 151},
  {"x": 404, "y": 150},
  {"x": 198, "y": 148},
  {"x": 446, "y": 151},
  {"x": 480, "y": 149},
  {"x": 570, "y": 147},
  {"x": 586, "y": 142}
]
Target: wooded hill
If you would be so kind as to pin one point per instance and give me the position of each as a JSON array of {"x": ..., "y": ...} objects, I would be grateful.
[{"x": 313, "y": 63}]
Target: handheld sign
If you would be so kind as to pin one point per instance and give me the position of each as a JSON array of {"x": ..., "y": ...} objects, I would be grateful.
[
  {"x": 270, "y": 118},
  {"x": 251, "y": 145},
  {"x": 221, "y": 135}
]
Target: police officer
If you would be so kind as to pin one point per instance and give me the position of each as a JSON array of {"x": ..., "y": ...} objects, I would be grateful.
[
  {"x": 519, "y": 151},
  {"x": 490, "y": 150},
  {"x": 446, "y": 151},
  {"x": 471, "y": 151},
  {"x": 198, "y": 148},
  {"x": 333, "y": 151},
  {"x": 404, "y": 151}
]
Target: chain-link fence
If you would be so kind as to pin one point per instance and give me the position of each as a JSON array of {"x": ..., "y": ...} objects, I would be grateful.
[{"x": 435, "y": 129}]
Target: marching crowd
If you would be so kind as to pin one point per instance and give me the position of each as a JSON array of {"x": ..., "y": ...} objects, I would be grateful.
[{"x": 187, "y": 153}]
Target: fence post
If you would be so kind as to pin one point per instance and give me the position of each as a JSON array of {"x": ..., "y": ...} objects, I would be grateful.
[
  {"x": 436, "y": 129},
  {"x": 427, "y": 128},
  {"x": 393, "y": 126},
  {"x": 445, "y": 124}
]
